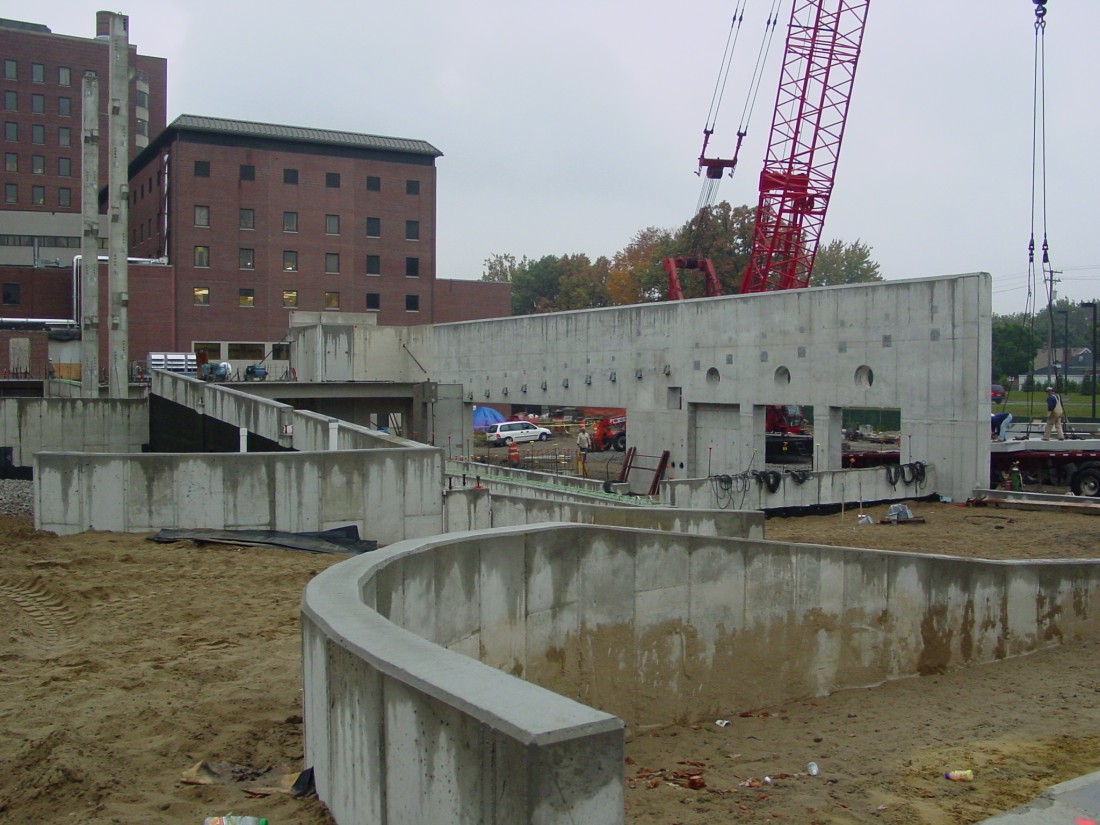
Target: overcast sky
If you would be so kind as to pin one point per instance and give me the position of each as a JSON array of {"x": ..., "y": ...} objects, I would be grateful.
[{"x": 567, "y": 127}]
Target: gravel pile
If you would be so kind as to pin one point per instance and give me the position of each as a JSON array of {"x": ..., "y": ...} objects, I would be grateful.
[{"x": 16, "y": 497}]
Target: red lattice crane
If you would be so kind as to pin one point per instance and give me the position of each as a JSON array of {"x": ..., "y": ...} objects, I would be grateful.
[{"x": 811, "y": 105}]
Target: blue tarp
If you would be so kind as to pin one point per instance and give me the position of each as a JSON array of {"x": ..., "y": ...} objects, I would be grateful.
[{"x": 485, "y": 417}]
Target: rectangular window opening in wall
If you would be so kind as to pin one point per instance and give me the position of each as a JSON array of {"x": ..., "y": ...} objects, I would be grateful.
[
  {"x": 202, "y": 296},
  {"x": 202, "y": 256},
  {"x": 247, "y": 258},
  {"x": 64, "y": 136},
  {"x": 65, "y": 167},
  {"x": 248, "y": 171},
  {"x": 11, "y": 295},
  {"x": 141, "y": 99},
  {"x": 246, "y": 219},
  {"x": 332, "y": 300},
  {"x": 290, "y": 221},
  {"x": 246, "y": 297},
  {"x": 332, "y": 224},
  {"x": 202, "y": 168},
  {"x": 332, "y": 180},
  {"x": 38, "y": 164},
  {"x": 290, "y": 176},
  {"x": 38, "y": 134},
  {"x": 65, "y": 106},
  {"x": 290, "y": 298},
  {"x": 290, "y": 261},
  {"x": 65, "y": 197},
  {"x": 374, "y": 183},
  {"x": 412, "y": 187},
  {"x": 11, "y": 101},
  {"x": 212, "y": 350},
  {"x": 38, "y": 195},
  {"x": 280, "y": 352},
  {"x": 11, "y": 70},
  {"x": 38, "y": 73},
  {"x": 412, "y": 303},
  {"x": 239, "y": 351},
  {"x": 412, "y": 230},
  {"x": 11, "y": 130},
  {"x": 374, "y": 264},
  {"x": 11, "y": 162},
  {"x": 202, "y": 215},
  {"x": 374, "y": 301},
  {"x": 412, "y": 267},
  {"x": 38, "y": 104},
  {"x": 374, "y": 227},
  {"x": 11, "y": 193},
  {"x": 332, "y": 263},
  {"x": 64, "y": 76}
]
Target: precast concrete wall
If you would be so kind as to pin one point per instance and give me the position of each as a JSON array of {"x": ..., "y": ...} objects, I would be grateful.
[
  {"x": 29, "y": 425},
  {"x": 746, "y": 491},
  {"x": 390, "y": 494},
  {"x": 651, "y": 627}
]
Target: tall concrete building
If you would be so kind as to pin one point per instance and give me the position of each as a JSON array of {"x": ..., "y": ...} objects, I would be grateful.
[{"x": 41, "y": 75}]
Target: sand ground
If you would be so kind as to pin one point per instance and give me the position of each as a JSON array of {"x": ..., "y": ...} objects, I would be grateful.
[{"x": 125, "y": 663}]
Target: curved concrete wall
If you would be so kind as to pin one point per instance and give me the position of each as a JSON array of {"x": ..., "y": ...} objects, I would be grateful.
[{"x": 652, "y": 627}]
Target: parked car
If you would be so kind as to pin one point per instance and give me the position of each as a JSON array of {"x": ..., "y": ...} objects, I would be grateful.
[
  {"x": 508, "y": 431},
  {"x": 997, "y": 394}
]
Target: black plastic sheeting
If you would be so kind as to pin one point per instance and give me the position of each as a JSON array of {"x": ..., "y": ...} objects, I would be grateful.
[{"x": 336, "y": 540}]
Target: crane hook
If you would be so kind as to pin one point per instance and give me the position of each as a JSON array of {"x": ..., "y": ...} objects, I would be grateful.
[{"x": 1040, "y": 12}]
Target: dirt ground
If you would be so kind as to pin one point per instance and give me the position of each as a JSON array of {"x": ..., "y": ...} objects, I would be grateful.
[{"x": 125, "y": 663}]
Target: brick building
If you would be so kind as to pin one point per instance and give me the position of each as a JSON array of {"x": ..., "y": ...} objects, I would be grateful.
[{"x": 41, "y": 77}]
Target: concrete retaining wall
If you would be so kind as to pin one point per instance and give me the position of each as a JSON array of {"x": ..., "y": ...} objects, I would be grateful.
[
  {"x": 29, "y": 425},
  {"x": 390, "y": 494},
  {"x": 649, "y": 626}
]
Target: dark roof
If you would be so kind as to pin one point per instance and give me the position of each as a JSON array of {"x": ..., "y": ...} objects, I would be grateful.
[{"x": 244, "y": 128}]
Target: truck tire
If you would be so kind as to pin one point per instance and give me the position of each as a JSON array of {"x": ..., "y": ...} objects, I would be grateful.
[
  {"x": 619, "y": 443},
  {"x": 1086, "y": 482}
]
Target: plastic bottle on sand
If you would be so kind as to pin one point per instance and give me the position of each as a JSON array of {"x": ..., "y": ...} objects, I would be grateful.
[
  {"x": 231, "y": 819},
  {"x": 959, "y": 776}
]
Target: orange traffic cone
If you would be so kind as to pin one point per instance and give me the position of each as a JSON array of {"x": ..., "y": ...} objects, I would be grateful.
[{"x": 513, "y": 452}]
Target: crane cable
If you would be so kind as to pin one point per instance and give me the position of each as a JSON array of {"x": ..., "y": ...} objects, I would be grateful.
[
  {"x": 709, "y": 190},
  {"x": 1039, "y": 169}
]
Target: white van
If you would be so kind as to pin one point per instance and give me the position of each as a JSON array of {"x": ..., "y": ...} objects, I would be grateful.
[{"x": 508, "y": 431}]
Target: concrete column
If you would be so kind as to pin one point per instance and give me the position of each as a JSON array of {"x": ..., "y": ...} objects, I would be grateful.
[
  {"x": 242, "y": 433},
  {"x": 118, "y": 201},
  {"x": 88, "y": 311},
  {"x": 333, "y": 434},
  {"x": 754, "y": 424},
  {"x": 828, "y": 438}
]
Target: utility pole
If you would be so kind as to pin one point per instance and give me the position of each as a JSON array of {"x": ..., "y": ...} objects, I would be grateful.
[{"x": 1092, "y": 305}]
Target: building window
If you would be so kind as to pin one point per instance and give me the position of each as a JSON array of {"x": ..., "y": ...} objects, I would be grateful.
[
  {"x": 64, "y": 136},
  {"x": 247, "y": 219},
  {"x": 332, "y": 300},
  {"x": 374, "y": 301},
  {"x": 142, "y": 127},
  {"x": 202, "y": 256},
  {"x": 202, "y": 216},
  {"x": 38, "y": 104},
  {"x": 38, "y": 195},
  {"x": 412, "y": 303},
  {"x": 246, "y": 297},
  {"x": 290, "y": 221},
  {"x": 11, "y": 193},
  {"x": 38, "y": 164},
  {"x": 64, "y": 76},
  {"x": 248, "y": 171},
  {"x": 412, "y": 187},
  {"x": 412, "y": 230},
  {"x": 202, "y": 168},
  {"x": 374, "y": 227},
  {"x": 65, "y": 106},
  {"x": 290, "y": 176},
  {"x": 11, "y": 294},
  {"x": 412, "y": 267},
  {"x": 65, "y": 167},
  {"x": 38, "y": 134},
  {"x": 374, "y": 184},
  {"x": 64, "y": 196},
  {"x": 290, "y": 261},
  {"x": 141, "y": 99},
  {"x": 332, "y": 180},
  {"x": 247, "y": 258},
  {"x": 290, "y": 298},
  {"x": 11, "y": 162},
  {"x": 11, "y": 101},
  {"x": 374, "y": 264},
  {"x": 11, "y": 131},
  {"x": 38, "y": 73},
  {"x": 332, "y": 263},
  {"x": 332, "y": 224},
  {"x": 11, "y": 70},
  {"x": 202, "y": 296}
]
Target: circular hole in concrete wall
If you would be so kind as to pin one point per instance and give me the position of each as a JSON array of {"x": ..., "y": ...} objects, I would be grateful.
[
  {"x": 782, "y": 376},
  {"x": 865, "y": 377},
  {"x": 712, "y": 376}
]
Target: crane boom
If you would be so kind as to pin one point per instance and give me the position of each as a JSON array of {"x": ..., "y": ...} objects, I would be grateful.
[{"x": 815, "y": 86}]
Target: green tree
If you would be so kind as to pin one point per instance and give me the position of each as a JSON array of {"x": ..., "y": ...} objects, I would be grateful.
[
  {"x": 535, "y": 285},
  {"x": 635, "y": 274},
  {"x": 1015, "y": 346},
  {"x": 723, "y": 234},
  {"x": 844, "y": 263},
  {"x": 502, "y": 268}
]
